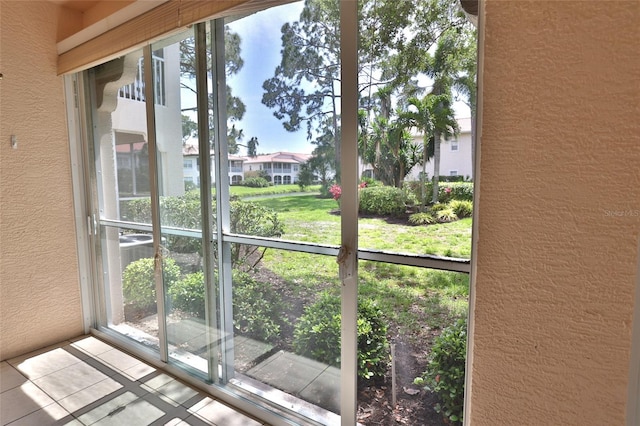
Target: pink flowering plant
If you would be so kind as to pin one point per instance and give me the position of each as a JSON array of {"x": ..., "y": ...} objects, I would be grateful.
[{"x": 335, "y": 191}]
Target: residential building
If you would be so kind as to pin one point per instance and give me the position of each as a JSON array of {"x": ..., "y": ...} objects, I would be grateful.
[
  {"x": 554, "y": 334},
  {"x": 281, "y": 168},
  {"x": 191, "y": 166},
  {"x": 456, "y": 155}
]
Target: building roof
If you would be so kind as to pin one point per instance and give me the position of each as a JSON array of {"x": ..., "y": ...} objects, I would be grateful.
[
  {"x": 191, "y": 150},
  {"x": 279, "y": 157}
]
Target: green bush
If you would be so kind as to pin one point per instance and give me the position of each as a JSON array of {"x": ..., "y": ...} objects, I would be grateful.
[
  {"x": 255, "y": 220},
  {"x": 317, "y": 335},
  {"x": 461, "y": 208},
  {"x": 448, "y": 191},
  {"x": 422, "y": 219},
  {"x": 258, "y": 311},
  {"x": 445, "y": 372},
  {"x": 188, "y": 295},
  {"x": 446, "y": 215},
  {"x": 256, "y": 182},
  {"x": 138, "y": 282},
  {"x": 384, "y": 200}
]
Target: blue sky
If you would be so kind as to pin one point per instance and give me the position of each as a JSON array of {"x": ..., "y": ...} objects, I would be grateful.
[
  {"x": 261, "y": 44},
  {"x": 260, "y": 49}
]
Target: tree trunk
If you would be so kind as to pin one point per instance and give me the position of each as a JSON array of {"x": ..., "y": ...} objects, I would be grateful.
[
  {"x": 436, "y": 166},
  {"x": 423, "y": 179}
]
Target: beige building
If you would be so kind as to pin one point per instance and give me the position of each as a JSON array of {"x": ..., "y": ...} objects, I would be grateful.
[{"x": 554, "y": 327}]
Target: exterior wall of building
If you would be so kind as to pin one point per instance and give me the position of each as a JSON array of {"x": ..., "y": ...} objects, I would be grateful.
[
  {"x": 559, "y": 213},
  {"x": 459, "y": 160},
  {"x": 39, "y": 284}
]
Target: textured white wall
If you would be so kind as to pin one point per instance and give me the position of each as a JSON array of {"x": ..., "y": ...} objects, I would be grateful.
[
  {"x": 39, "y": 288},
  {"x": 559, "y": 213}
]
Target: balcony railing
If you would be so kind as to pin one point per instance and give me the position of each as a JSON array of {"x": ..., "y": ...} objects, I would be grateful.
[{"x": 135, "y": 90}]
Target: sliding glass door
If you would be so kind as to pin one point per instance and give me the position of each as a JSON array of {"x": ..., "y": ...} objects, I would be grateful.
[{"x": 243, "y": 172}]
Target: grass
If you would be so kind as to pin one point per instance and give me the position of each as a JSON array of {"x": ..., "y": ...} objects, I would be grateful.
[
  {"x": 309, "y": 218},
  {"x": 245, "y": 191},
  {"x": 412, "y": 298}
]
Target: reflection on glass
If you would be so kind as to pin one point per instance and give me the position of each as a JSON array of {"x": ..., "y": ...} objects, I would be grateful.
[{"x": 286, "y": 325}]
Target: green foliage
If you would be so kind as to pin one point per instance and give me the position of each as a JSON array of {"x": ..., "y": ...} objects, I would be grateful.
[
  {"x": 445, "y": 372},
  {"x": 384, "y": 200},
  {"x": 258, "y": 311},
  {"x": 305, "y": 176},
  {"x": 446, "y": 215},
  {"x": 317, "y": 335},
  {"x": 461, "y": 208},
  {"x": 188, "y": 294},
  {"x": 256, "y": 182},
  {"x": 138, "y": 282},
  {"x": 252, "y": 219},
  {"x": 455, "y": 191},
  {"x": 424, "y": 218}
]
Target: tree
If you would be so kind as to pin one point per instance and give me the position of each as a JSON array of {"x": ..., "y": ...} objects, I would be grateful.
[
  {"x": 305, "y": 176},
  {"x": 305, "y": 88},
  {"x": 235, "y": 107},
  {"x": 433, "y": 116},
  {"x": 252, "y": 147},
  {"x": 189, "y": 128}
]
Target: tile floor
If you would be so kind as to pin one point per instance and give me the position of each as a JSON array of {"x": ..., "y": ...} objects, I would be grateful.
[{"x": 88, "y": 382}]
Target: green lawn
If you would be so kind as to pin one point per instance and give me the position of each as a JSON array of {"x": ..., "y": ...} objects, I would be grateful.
[
  {"x": 245, "y": 191},
  {"x": 413, "y": 298},
  {"x": 311, "y": 219}
]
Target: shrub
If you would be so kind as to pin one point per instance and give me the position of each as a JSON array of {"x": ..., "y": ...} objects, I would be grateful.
[
  {"x": 461, "y": 208},
  {"x": 258, "y": 310},
  {"x": 138, "y": 282},
  {"x": 422, "y": 219},
  {"x": 445, "y": 372},
  {"x": 446, "y": 215},
  {"x": 438, "y": 207},
  {"x": 455, "y": 191},
  {"x": 188, "y": 294},
  {"x": 317, "y": 335},
  {"x": 383, "y": 200},
  {"x": 256, "y": 182},
  {"x": 252, "y": 219}
]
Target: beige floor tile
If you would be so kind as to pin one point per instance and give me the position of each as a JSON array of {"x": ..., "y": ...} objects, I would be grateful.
[
  {"x": 138, "y": 412},
  {"x": 21, "y": 401},
  {"x": 157, "y": 382},
  {"x": 177, "y": 392},
  {"x": 91, "y": 345},
  {"x": 90, "y": 395},
  {"x": 36, "y": 366},
  {"x": 118, "y": 360},
  {"x": 138, "y": 371},
  {"x": 110, "y": 406},
  {"x": 49, "y": 415},
  {"x": 69, "y": 380},
  {"x": 10, "y": 377},
  {"x": 221, "y": 414}
]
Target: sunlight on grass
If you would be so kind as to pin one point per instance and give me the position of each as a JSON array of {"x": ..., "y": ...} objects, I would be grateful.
[{"x": 413, "y": 299}]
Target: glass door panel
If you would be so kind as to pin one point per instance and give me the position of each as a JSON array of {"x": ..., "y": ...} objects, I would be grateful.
[
  {"x": 187, "y": 275},
  {"x": 286, "y": 330},
  {"x": 122, "y": 218}
]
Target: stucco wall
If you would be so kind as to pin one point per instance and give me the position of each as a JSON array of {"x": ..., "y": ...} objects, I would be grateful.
[
  {"x": 559, "y": 213},
  {"x": 39, "y": 290}
]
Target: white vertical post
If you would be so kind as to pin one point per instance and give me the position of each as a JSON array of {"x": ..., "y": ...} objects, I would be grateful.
[{"x": 349, "y": 208}]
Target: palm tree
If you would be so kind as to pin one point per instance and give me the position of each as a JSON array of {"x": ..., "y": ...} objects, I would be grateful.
[{"x": 433, "y": 116}]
